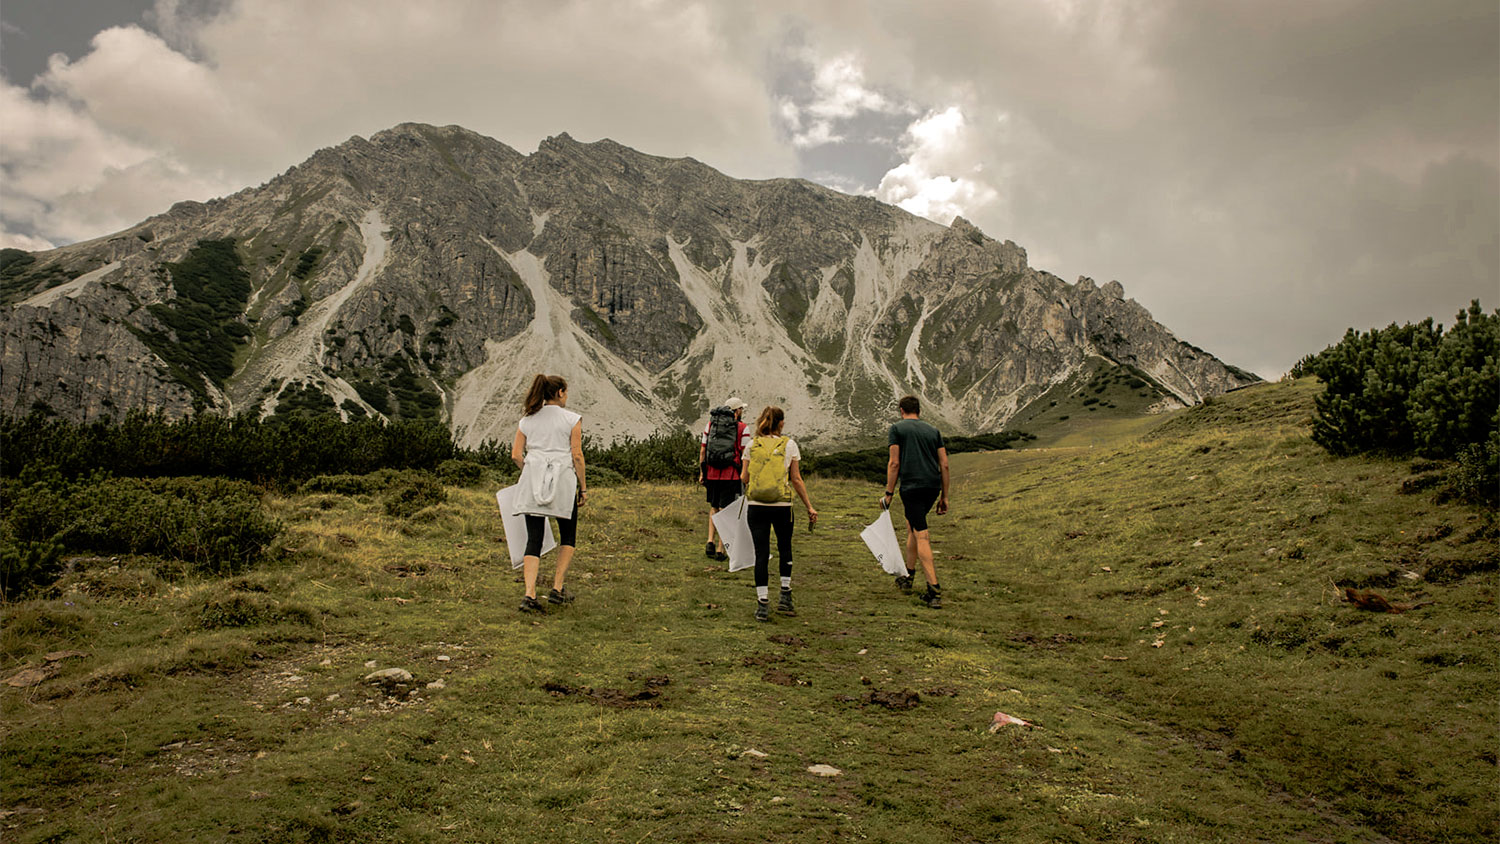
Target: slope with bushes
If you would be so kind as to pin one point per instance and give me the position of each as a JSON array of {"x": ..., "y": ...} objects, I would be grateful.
[{"x": 1169, "y": 615}]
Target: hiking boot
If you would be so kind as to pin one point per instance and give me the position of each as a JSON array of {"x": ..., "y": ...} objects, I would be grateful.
[
  {"x": 903, "y": 582},
  {"x": 560, "y": 596},
  {"x": 530, "y": 604},
  {"x": 933, "y": 599},
  {"x": 708, "y": 550},
  {"x": 762, "y": 611},
  {"x": 785, "y": 607},
  {"x": 721, "y": 556}
]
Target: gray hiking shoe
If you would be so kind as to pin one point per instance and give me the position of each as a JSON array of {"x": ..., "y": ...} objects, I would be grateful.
[
  {"x": 530, "y": 604},
  {"x": 762, "y": 611},
  {"x": 903, "y": 582},
  {"x": 933, "y": 599},
  {"x": 785, "y": 607},
  {"x": 559, "y": 596}
]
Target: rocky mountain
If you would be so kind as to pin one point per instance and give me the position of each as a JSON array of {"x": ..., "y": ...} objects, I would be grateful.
[{"x": 430, "y": 272}]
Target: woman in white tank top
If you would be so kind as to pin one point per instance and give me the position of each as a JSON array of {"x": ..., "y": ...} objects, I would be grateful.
[{"x": 549, "y": 451}]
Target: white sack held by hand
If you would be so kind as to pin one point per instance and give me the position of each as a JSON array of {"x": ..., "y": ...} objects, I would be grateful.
[
  {"x": 514, "y": 527},
  {"x": 733, "y": 525},
  {"x": 880, "y": 537}
]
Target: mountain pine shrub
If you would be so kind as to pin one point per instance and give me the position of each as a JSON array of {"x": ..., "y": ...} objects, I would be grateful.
[{"x": 1414, "y": 389}]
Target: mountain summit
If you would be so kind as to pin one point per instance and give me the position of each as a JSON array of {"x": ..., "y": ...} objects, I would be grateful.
[{"x": 430, "y": 272}]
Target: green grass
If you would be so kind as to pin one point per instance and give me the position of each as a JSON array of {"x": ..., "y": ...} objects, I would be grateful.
[{"x": 1270, "y": 711}]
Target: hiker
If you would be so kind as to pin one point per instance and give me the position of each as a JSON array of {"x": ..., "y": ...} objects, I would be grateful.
[
  {"x": 920, "y": 462},
  {"x": 772, "y": 474},
  {"x": 720, "y": 448},
  {"x": 549, "y": 451}
]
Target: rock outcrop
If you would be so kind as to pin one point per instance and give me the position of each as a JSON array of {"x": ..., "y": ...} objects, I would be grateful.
[{"x": 429, "y": 272}]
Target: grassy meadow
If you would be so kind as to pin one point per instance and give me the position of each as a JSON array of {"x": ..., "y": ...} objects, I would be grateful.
[{"x": 1161, "y": 601}]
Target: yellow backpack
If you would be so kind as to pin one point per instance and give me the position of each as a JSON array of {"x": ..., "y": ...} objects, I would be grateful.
[{"x": 766, "y": 477}]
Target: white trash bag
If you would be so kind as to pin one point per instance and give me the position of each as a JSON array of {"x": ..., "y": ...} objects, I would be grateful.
[
  {"x": 880, "y": 537},
  {"x": 733, "y": 525},
  {"x": 514, "y": 526}
]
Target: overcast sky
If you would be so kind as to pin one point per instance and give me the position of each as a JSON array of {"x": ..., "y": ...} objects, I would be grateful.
[{"x": 1259, "y": 174}]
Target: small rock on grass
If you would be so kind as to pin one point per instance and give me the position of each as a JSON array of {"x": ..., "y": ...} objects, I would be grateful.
[
  {"x": 824, "y": 771},
  {"x": 389, "y": 676},
  {"x": 758, "y": 754}
]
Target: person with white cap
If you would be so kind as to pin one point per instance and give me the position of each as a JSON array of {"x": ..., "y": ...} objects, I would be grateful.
[{"x": 720, "y": 449}]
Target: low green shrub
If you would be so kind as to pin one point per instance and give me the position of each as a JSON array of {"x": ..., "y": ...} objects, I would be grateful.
[
  {"x": 659, "y": 457},
  {"x": 460, "y": 472},
  {"x": 239, "y": 609},
  {"x": 603, "y": 476},
  {"x": 343, "y": 484},
  {"x": 421, "y": 490},
  {"x": 1475, "y": 476},
  {"x": 28, "y": 565},
  {"x": 1411, "y": 388},
  {"x": 214, "y": 525}
]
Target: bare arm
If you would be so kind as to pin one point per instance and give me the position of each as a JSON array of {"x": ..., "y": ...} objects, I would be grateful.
[
  {"x": 702, "y": 461},
  {"x": 892, "y": 469},
  {"x": 518, "y": 450},
  {"x": 942, "y": 502},
  {"x": 575, "y": 441},
  {"x": 794, "y": 473}
]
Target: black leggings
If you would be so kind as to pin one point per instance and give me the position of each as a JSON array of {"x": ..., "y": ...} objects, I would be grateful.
[
  {"x": 567, "y": 532},
  {"x": 762, "y": 519}
]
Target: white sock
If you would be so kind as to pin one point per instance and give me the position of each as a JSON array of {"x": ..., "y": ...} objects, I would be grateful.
[
  {"x": 762, "y": 593},
  {"x": 786, "y": 582}
]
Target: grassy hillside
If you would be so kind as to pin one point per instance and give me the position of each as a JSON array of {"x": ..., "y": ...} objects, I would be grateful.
[
  {"x": 1103, "y": 399},
  {"x": 1165, "y": 607}
]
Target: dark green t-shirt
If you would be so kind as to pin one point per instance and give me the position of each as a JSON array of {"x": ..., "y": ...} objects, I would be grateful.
[{"x": 919, "y": 443}]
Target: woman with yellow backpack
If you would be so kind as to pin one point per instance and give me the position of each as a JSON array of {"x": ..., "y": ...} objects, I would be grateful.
[{"x": 772, "y": 474}]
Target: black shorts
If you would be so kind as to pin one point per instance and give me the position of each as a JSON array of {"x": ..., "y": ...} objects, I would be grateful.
[
  {"x": 721, "y": 494},
  {"x": 916, "y": 503}
]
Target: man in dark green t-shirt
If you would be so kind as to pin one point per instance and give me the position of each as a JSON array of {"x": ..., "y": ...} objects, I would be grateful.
[{"x": 920, "y": 462}]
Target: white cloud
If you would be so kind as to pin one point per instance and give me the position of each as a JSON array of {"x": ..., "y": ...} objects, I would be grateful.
[
  {"x": 937, "y": 147},
  {"x": 139, "y": 88},
  {"x": 239, "y": 91},
  {"x": 837, "y": 92},
  {"x": 13, "y": 240},
  {"x": 68, "y": 177}
]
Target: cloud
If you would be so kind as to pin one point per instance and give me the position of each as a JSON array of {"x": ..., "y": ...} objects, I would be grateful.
[
  {"x": 1260, "y": 174},
  {"x": 70, "y": 178},
  {"x": 139, "y": 88},
  {"x": 830, "y": 99},
  {"x": 235, "y": 92},
  {"x": 14, "y": 240},
  {"x": 938, "y": 146}
]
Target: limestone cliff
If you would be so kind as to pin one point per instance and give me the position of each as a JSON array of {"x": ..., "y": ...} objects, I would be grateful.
[{"x": 430, "y": 272}]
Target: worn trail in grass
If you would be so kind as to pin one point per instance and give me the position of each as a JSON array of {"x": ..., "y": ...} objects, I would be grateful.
[{"x": 1165, "y": 610}]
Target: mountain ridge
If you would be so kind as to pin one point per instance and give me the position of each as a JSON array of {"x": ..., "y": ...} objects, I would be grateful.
[{"x": 429, "y": 272}]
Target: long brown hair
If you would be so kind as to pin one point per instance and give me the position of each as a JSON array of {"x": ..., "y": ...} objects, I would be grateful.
[
  {"x": 544, "y": 388},
  {"x": 770, "y": 420}
]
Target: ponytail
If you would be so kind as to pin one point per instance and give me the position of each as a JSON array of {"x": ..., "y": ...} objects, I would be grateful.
[
  {"x": 770, "y": 421},
  {"x": 544, "y": 388}
]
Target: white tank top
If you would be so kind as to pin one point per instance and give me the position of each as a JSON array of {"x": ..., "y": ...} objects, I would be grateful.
[{"x": 549, "y": 429}]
